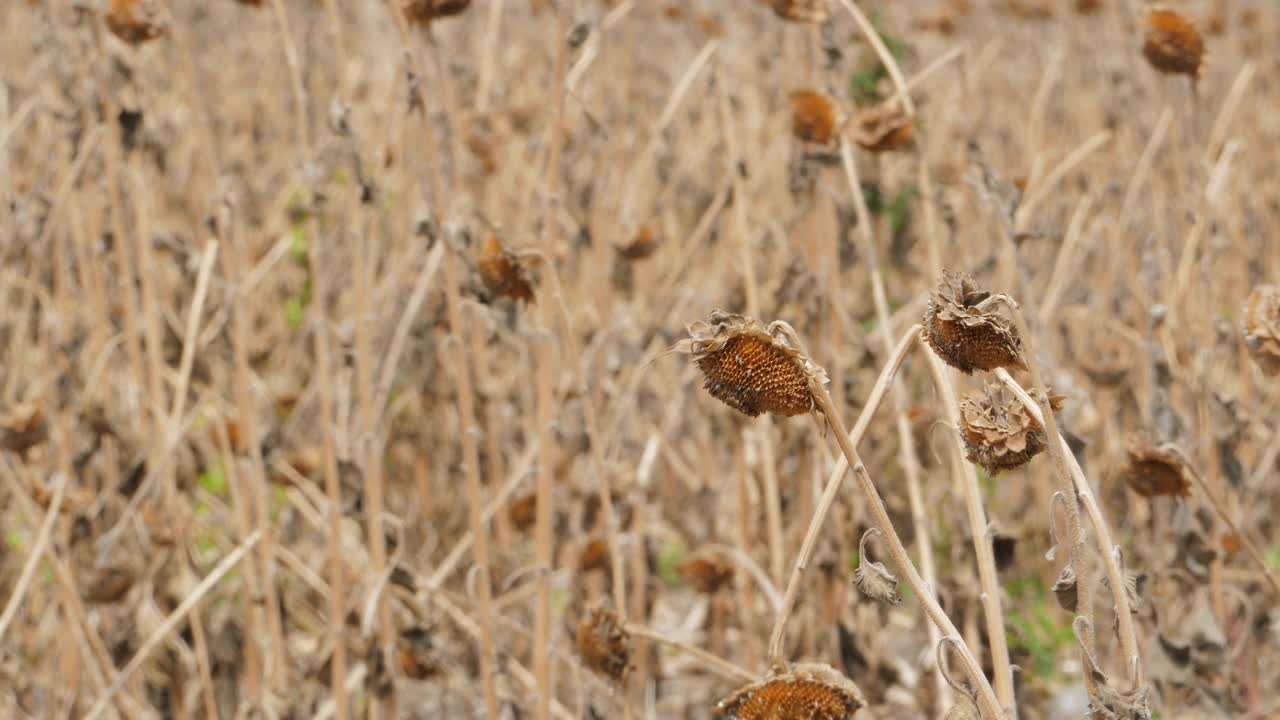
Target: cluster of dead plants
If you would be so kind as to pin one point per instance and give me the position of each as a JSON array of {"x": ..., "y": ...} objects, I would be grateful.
[{"x": 444, "y": 359}]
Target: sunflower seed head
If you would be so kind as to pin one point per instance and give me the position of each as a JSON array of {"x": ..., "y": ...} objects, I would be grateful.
[
  {"x": 963, "y": 333},
  {"x": 752, "y": 368},
  {"x": 808, "y": 691}
]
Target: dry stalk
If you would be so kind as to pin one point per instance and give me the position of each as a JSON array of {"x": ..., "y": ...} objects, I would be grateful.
[
  {"x": 475, "y": 497},
  {"x": 1220, "y": 507},
  {"x": 542, "y": 667},
  {"x": 369, "y": 438},
  {"x": 34, "y": 554},
  {"x": 171, "y": 622},
  {"x": 1074, "y": 538},
  {"x": 880, "y": 517},
  {"x": 906, "y": 439},
  {"x": 714, "y": 663}
]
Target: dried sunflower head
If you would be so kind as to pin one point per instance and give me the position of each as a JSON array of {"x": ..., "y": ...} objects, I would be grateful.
[
  {"x": 1172, "y": 44},
  {"x": 753, "y": 368},
  {"x": 423, "y": 12},
  {"x": 136, "y": 21},
  {"x": 640, "y": 246},
  {"x": 604, "y": 646},
  {"x": 1261, "y": 325},
  {"x": 806, "y": 11},
  {"x": 503, "y": 273},
  {"x": 1153, "y": 471},
  {"x": 999, "y": 433},
  {"x": 23, "y": 427},
  {"x": 966, "y": 334},
  {"x": 808, "y": 692},
  {"x": 883, "y": 128},
  {"x": 707, "y": 572},
  {"x": 814, "y": 116}
]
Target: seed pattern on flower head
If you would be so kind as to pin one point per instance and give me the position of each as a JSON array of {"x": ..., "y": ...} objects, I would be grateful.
[
  {"x": 808, "y": 11},
  {"x": 964, "y": 333},
  {"x": 1172, "y": 44},
  {"x": 752, "y": 368},
  {"x": 999, "y": 432},
  {"x": 1261, "y": 325},
  {"x": 808, "y": 692}
]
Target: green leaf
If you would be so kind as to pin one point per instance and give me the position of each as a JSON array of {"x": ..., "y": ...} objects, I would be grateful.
[
  {"x": 294, "y": 312},
  {"x": 214, "y": 481},
  {"x": 668, "y": 558},
  {"x": 298, "y": 245}
]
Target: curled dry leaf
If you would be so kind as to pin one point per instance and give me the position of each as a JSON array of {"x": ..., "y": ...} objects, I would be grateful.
[
  {"x": 1154, "y": 472},
  {"x": 136, "y": 21},
  {"x": 999, "y": 432},
  {"x": 108, "y": 584},
  {"x": 808, "y": 692},
  {"x": 503, "y": 273},
  {"x": 595, "y": 556},
  {"x": 964, "y": 333},
  {"x": 806, "y": 11},
  {"x": 883, "y": 128},
  {"x": 603, "y": 644},
  {"x": 1172, "y": 44},
  {"x": 707, "y": 573},
  {"x": 1065, "y": 589},
  {"x": 1260, "y": 322},
  {"x": 424, "y": 12},
  {"x": 752, "y": 368},
  {"x": 873, "y": 579},
  {"x": 814, "y": 116}
]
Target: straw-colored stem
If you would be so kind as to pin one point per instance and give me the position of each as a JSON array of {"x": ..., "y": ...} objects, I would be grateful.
[
  {"x": 1108, "y": 551},
  {"x": 886, "y": 58},
  {"x": 1220, "y": 507},
  {"x": 982, "y": 548},
  {"x": 987, "y": 699},
  {"x": 475, "y": 497},
  {"x": 714, "y": 663},
  {"x": 323, "y": 377},
  {"x": 906, "y": 439},
  {"x": 34, "y": 554},
  {"x": 170, "y": 623},
  {"x": 543, "y": 541},
  {"x": 832, "y": 489},
  {"x": 1073, "y": 537}
]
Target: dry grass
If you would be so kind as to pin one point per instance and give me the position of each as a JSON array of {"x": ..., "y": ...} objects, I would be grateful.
[{"x": 334, "y": 370}]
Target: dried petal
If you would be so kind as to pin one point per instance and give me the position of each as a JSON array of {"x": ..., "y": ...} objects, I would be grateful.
[
  {"x": 751, "y": 368},
  {"x": 998, "y": 430},
  {"x": 963, "y": 333},
  {"x": 641, "y": 245},
  {"x": 808, "y": 692}
]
